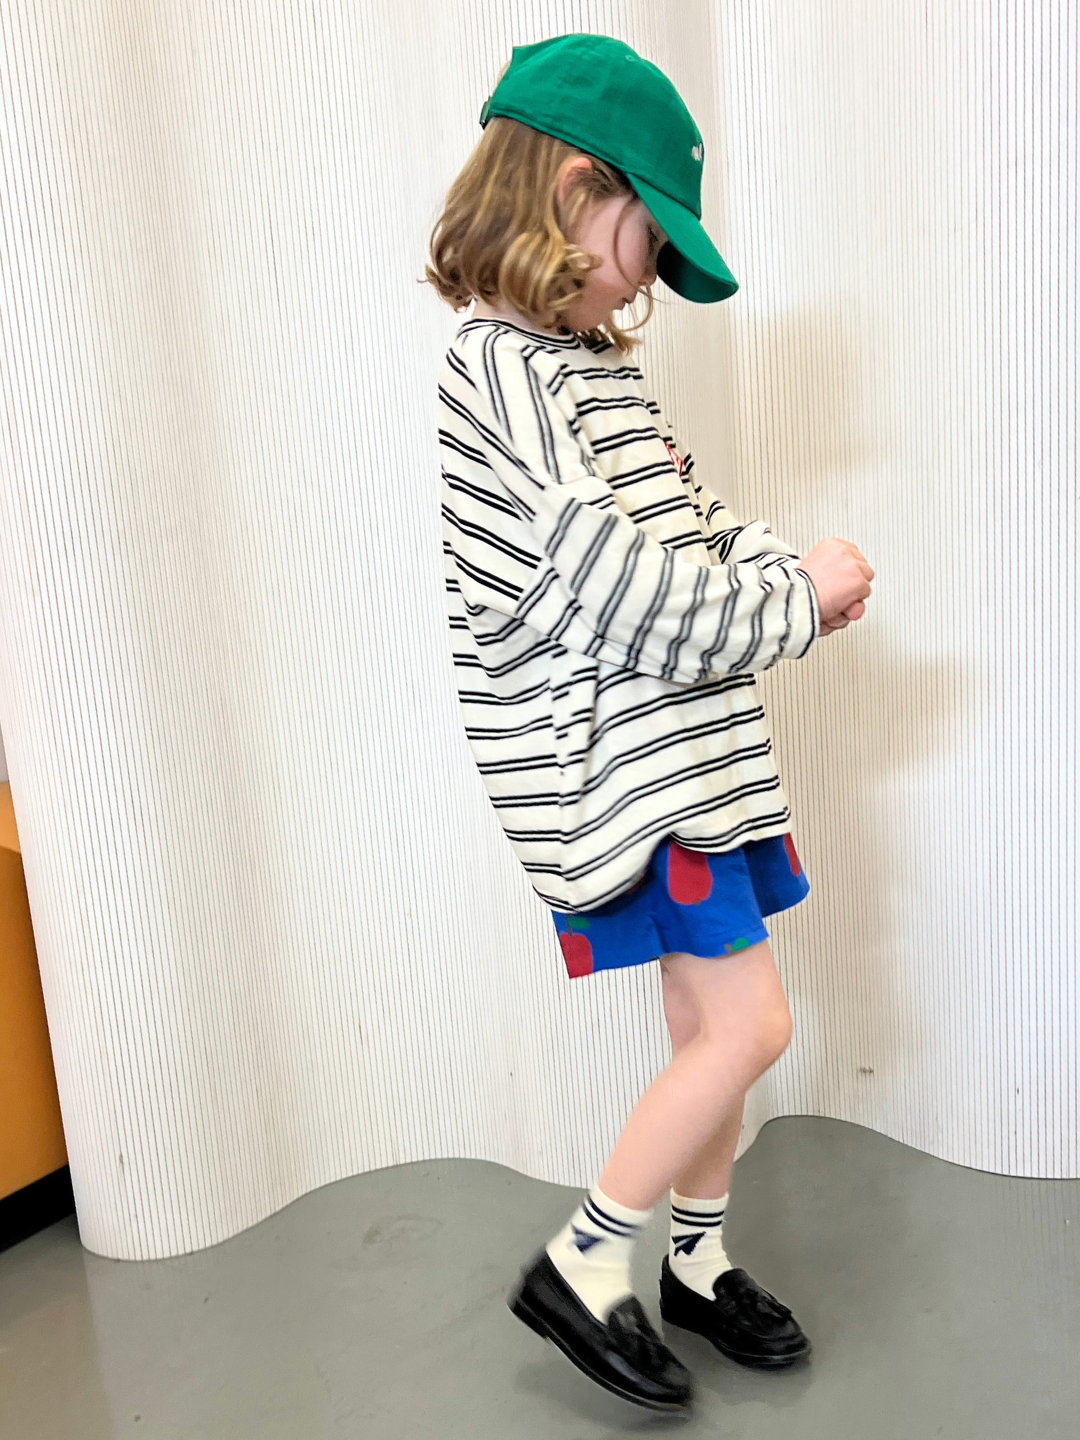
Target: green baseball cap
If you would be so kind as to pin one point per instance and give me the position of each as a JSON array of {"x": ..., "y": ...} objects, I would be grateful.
[{"x": 602, "y": 97}]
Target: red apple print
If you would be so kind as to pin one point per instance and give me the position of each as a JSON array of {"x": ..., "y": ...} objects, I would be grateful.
[
  {"x": 689, "y": 879},
  {"x": 793, "y": 859},
  {"x": 577, "y": 952}
]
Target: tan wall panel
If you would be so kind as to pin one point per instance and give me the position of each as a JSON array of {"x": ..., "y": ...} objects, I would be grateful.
[{"x": 31, "y": 1133}]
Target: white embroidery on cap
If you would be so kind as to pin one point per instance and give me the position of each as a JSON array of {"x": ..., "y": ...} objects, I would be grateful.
[{"x": 698, "y": 152}]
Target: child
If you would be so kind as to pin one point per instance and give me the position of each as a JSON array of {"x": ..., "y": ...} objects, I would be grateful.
[{"x": 608, "y": 615}]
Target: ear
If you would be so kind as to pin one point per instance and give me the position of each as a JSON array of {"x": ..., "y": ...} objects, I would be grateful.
[{"x": 571, "y": 172}]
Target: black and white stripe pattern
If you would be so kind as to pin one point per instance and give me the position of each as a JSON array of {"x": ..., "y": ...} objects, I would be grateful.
[{"x": 607, "y": 615}]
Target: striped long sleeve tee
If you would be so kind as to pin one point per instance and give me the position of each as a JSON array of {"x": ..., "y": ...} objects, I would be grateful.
[{"x": 607, "y": 616}]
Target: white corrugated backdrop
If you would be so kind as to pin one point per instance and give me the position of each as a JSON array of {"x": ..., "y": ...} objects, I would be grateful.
[{"x": 281, "y": 935}]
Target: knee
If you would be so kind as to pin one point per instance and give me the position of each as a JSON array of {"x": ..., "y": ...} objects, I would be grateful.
[
  {"x": 774, "y": 1034},
  {"x": 759, "y": 1043}
]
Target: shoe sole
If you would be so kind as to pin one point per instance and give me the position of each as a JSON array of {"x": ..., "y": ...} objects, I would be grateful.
[
  {"x": 752, "y": 1362},
  {"x": 535, "y": 1322}
]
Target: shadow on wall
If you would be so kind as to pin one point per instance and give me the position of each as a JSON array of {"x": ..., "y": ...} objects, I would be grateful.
[{"x": 822, "y": 450}]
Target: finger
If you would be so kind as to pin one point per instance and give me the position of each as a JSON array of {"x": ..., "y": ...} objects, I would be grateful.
[{"x": 856, "y": 611}]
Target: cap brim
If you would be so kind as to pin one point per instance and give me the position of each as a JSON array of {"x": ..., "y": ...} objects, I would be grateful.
[{"x": 689, "y": 263}]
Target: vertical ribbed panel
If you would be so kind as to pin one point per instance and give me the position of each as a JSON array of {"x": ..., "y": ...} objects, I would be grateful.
[
  {"x": 902, "y": 207},
  {"x": 282, "y": 937}
]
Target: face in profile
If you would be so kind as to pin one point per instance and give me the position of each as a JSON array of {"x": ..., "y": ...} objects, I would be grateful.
[{"x": 626, "y": 238}]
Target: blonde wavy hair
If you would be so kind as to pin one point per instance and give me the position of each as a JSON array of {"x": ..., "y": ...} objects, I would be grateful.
[{"x": 504, "y": 234}]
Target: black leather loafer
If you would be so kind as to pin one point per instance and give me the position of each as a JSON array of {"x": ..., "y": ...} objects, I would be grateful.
[
  {"x": 744, "y": 1322},
  {"x": 625, "y": 1355}
]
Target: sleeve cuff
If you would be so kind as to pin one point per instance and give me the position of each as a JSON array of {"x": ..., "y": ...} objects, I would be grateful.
[{"x": 801, "y": 640}]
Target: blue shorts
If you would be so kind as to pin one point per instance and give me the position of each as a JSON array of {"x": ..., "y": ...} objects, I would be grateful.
[{"x": 688, "y": 902}]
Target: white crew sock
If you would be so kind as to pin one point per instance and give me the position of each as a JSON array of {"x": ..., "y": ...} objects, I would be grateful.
[
  {"x": 696, "y": 1253},
  {"x": 592, "y": 1251}
]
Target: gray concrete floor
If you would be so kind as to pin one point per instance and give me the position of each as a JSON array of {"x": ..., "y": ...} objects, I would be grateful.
[{"x": 941, "y": 1302}]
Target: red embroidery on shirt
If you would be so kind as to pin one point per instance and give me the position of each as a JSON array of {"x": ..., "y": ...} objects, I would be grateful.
[{"x": 675, "y": 458}]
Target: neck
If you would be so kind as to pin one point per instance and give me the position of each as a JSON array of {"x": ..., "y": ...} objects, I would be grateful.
[{"x": 483, "y": 311}]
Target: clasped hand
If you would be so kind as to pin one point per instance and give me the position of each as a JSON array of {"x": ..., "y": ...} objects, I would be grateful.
[{"x": 841, "y": 576}]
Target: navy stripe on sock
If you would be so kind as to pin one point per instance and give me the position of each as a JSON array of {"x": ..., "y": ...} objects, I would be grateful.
[
  {"x": 687, "y": 1217},
  {"x": 608, "y": 1222}
]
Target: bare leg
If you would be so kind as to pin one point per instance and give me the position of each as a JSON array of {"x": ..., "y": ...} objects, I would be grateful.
[
  {"x": 743, "y": 1027},
  {"x": 708, "y": 1176}
]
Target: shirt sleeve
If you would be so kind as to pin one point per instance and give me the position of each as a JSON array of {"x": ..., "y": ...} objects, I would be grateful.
[
  {"x": 598, "y": 584},
  {"x": 726, "y": 538}
]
